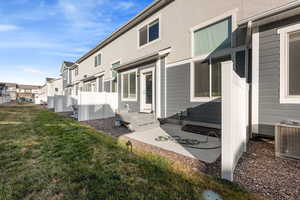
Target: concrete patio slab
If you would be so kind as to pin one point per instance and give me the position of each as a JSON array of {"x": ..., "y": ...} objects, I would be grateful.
[{"x": 162, "y": 137}]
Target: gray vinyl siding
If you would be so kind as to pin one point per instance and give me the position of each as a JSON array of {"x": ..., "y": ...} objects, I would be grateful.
[
  {"x": 132, "y": 106},
  {"x": 178, "y": 98},
  {"x": 107, "y": 86},
  {"x": 270, "y": 110}
]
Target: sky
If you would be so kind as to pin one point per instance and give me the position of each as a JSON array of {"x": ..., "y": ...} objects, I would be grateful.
[{"x": 36, "y": 36}]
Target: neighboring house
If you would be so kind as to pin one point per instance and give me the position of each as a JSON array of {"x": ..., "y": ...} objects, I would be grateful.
[
  {"x": 12, "y": 90},
  {"x": 28, "y": 92},
  {"x": 4, "y": 97},
  {"x": 9, "y": 91},
  {"x": 66, "y": 73},
  {"x": 51, "y": 88},
  {"x": 3, "y": 89}
]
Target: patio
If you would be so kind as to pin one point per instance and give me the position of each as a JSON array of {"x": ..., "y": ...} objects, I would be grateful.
[{"x": 170, "y": 137}]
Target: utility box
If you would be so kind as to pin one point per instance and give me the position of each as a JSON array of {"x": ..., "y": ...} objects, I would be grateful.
[{"x": 287, "y": 140}]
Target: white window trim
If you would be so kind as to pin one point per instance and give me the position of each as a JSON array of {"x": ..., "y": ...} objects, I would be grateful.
[
  {"x": 192, "y": 84},
  {"x": 136, "y": 89},
  {"x": 285, "y": 98},
  {"x": 147, "y": 23},
  {"x": 231, "y": 13}
]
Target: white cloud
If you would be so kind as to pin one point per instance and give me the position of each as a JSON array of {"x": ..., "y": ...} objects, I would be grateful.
[
  {"x": 125, "y": 5},
  {"x": 29, "y": 44},
  {"x": 7, "y": 27},
  {"x": 63, "y": 54},
  {"x": 35, "y": 71}
]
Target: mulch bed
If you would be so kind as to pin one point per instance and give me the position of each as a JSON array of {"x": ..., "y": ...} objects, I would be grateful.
[{"x": 261, "y": 172}]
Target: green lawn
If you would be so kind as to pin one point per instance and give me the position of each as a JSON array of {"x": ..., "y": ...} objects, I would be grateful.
[{"x": 46, "y": 156}]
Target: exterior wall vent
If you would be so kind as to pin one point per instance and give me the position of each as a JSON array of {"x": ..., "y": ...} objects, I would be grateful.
[{"x": 287, "y": 140}]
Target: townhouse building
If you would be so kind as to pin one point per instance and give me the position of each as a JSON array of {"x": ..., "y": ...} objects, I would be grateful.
[{"x": 231, "y": 65}]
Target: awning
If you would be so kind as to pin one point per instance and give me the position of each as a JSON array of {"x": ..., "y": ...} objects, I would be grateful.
[
  {"x": 89, "y": 78},
  {"x": 139, "y": 61}
]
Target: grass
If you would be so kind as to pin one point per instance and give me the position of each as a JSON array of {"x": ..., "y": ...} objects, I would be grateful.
[{"x": 49, "y": 157}]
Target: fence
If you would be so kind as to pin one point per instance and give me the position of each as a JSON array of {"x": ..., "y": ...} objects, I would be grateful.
[
  {"x": 64, "y": 103},
  {"x": 235, "y": 115},
  {"x": 93, "y": 105},
  {"x": 50, "y": 102}
]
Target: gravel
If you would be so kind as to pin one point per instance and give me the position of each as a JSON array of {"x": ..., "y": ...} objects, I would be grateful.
[{"x": 261, "y": 172}]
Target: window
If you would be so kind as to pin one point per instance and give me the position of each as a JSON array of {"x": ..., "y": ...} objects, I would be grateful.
[
  {"x": 154, "y": 30},
  {"x": 290, "y": 64},
  {"x": 87, "y": 87},
  {"x": 206, "y": 79},
  {"x": 129, "y": 86},
  {"x": 143, "y": 36},
  {"x": 211, "y": 38},
  {"x": 114, "y": 85},
  {"x": 76, "y": 89},
  {"x": 202, "y": 79},
  {"x": 100, "y": 86},
  {"x": 76, "y": 71},
  {"x": 294, "y": 64},
  {"x": 113, "y": 66},
  {"x": 98, "y": 60},
  {"x": 149, "y": 33},
  {"x": 107, "y": 87},
  {"x": 56, "y": 89},
  {"x": 93, "y": 86}
]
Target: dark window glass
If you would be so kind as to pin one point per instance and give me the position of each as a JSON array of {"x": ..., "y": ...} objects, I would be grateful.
[
  {"x": 100, "y": 87},
  {"x": 216, "y": 75},
  {"x": 154, "y": 31},
  {"x": 241, "y": 63},
  {"x": 149, "y": 89},
  {"x": 125, "y": 86},
  {"x": 201, "y": 79},
  {"x": 98, "y": 60},
  {"x": 143, "y": 36},
  {"x": 294, "y": 63},
  {"x": 132, "y": 90},
  {"x": 114, "y": 86}
]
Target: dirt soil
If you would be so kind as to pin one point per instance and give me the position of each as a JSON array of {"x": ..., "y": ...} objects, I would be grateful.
[{"x": 261, "y": 172}]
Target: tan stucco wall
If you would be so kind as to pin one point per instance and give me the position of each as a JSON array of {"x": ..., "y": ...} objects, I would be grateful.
[{"x": 176, "y": 21}]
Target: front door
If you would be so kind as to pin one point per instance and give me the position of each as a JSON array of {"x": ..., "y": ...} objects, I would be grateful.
[{"x": 147, "y": 91}]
